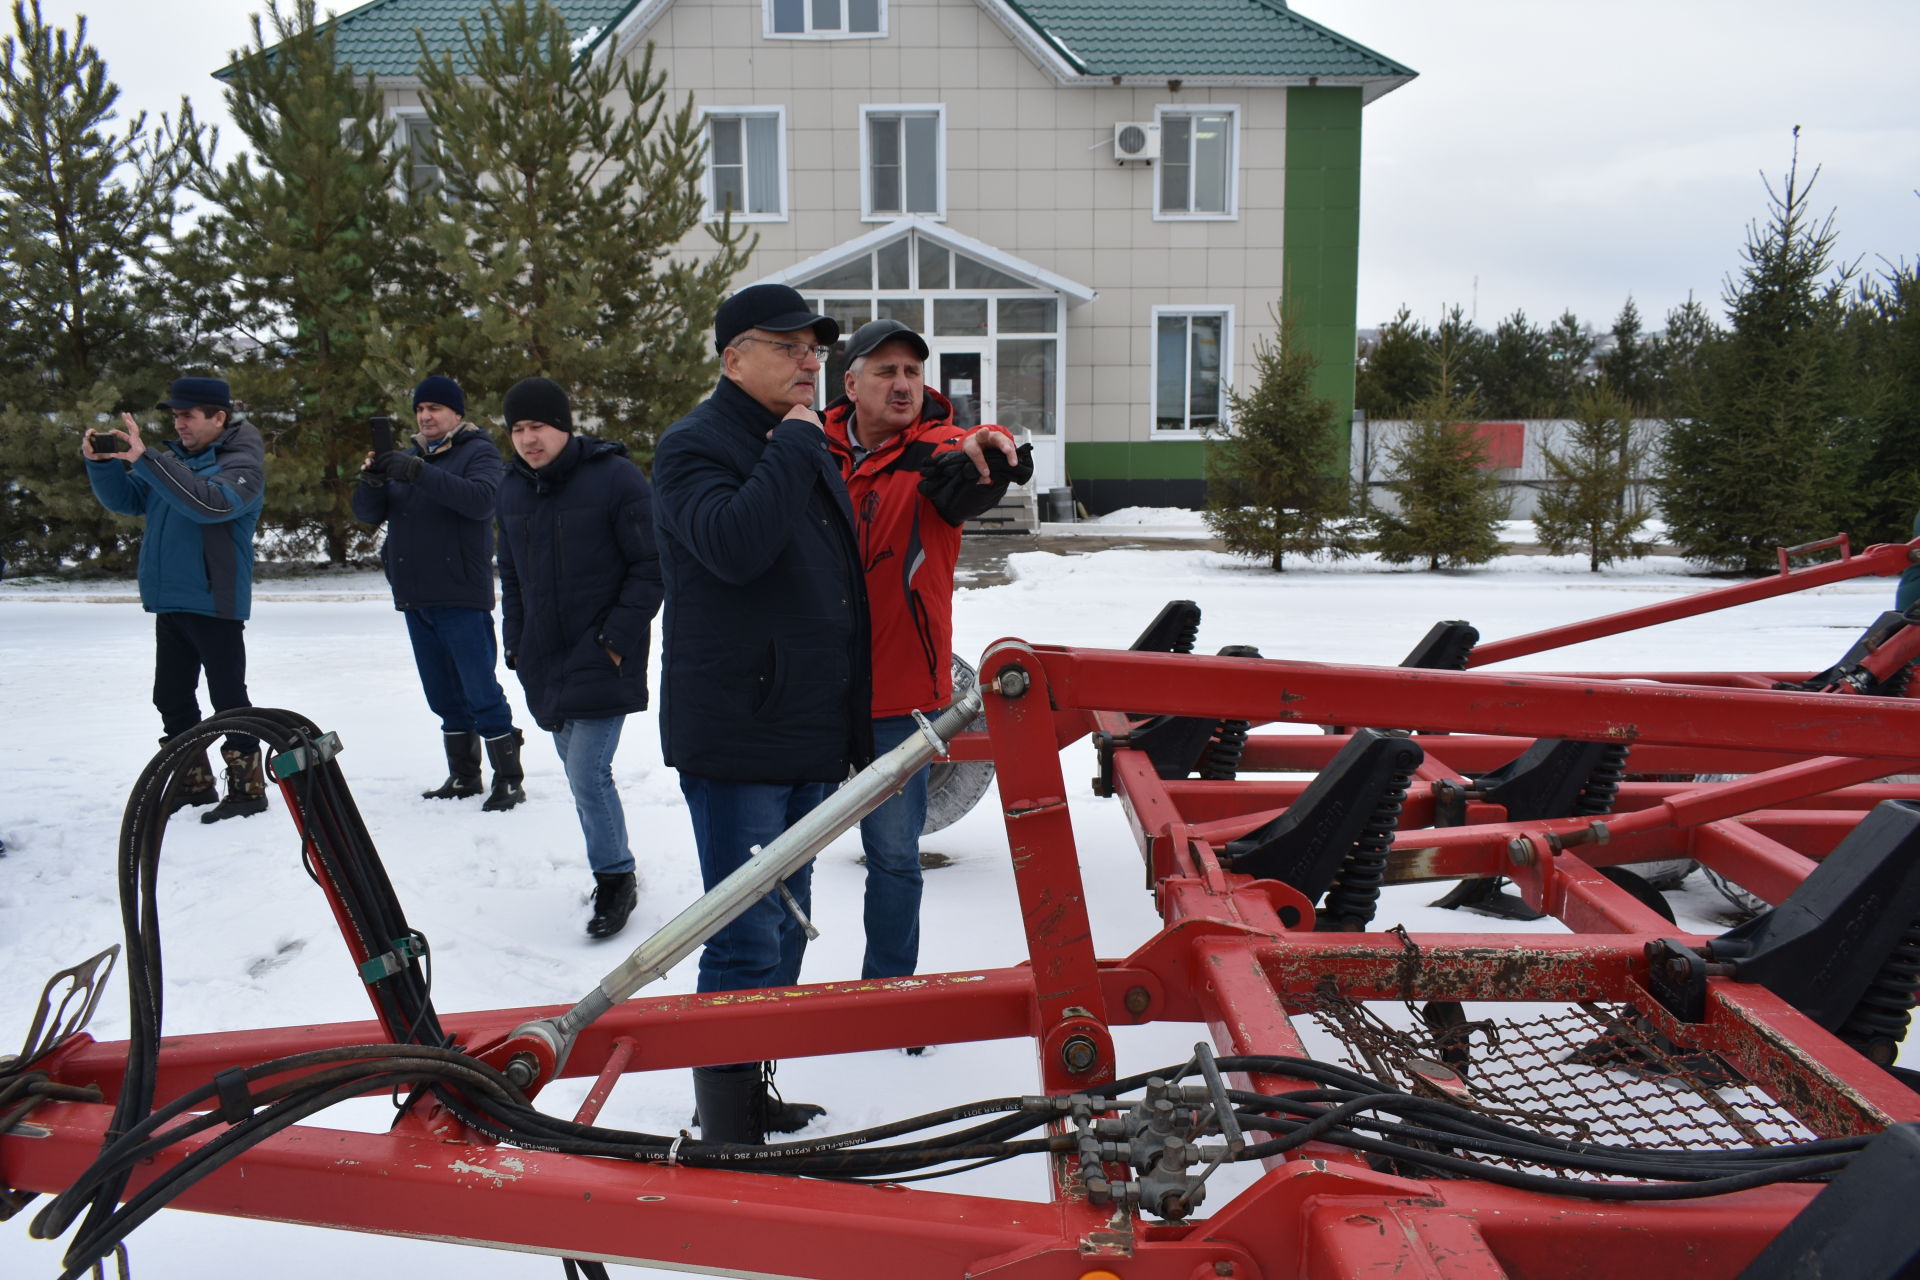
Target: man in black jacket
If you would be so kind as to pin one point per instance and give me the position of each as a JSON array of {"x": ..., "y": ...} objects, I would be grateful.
[
  {"x": 764, "y": 669},
  {"x": 436, "y": 499},
  {"x": 580, "y": 583}
]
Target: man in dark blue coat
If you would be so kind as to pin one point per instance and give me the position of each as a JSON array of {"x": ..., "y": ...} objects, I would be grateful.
[
  {"x": 436, "y": 498},
  {"x": 764, "y": 666},
  {"x": 201, "y": 498},
  {"x": 579, "y": 585}
]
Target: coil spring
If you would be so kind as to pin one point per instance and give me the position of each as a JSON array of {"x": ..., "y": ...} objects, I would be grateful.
[
  {"x": 1895, "y": 685},
  {"x": 1879, "y": 1022},
  {"x": 1355, "y": 891},
  {"x": 1220, "y": 762},
  {"x": 1603, "y": 784}
]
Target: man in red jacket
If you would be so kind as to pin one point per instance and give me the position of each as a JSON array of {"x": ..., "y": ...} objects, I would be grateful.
[{"x": 914, "y": 478}]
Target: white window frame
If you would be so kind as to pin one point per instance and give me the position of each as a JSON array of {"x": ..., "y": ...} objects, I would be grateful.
[
  {"x": 1225, "y": 312},
  {"x": 1232, "y": 112},
  {"x": 766, "y": 24},
  {"x": 779, "y": 114},
  {"x": 404, "y": 118},
  {"x": 938, "y": 111}
]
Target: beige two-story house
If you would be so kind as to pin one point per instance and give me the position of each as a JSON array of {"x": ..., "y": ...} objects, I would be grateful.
[{"x": 1089, "y": 207}]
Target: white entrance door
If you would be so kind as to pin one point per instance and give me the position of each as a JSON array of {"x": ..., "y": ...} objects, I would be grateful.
[{"x": 965, "y": 375}]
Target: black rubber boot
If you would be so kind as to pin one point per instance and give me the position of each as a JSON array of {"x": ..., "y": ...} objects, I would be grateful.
[
  {"x": 776, "y": 1114},
  {"x": 246, "y": 787},
  {"x": 504, "y": 753},
  {"x": 192, "y": 785},
  {"x": 614, "y": 897},
  {"x": 463, "y": 768},
  {"x": 724, "y": 1100}
]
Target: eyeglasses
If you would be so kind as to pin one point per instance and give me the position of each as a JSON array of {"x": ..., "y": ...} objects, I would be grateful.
[{"x": 796, "y": 351}]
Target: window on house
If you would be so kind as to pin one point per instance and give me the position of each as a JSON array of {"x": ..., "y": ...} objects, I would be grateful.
[
  {"x": 1197, "y": 163},
  {"x": 826, "y": 18},
  {"x": 744, "y": 168},
  {"x": 904, "y": 168},
  {"x": 1189, "y": 361},
  {"x": 414, "y": 134}
]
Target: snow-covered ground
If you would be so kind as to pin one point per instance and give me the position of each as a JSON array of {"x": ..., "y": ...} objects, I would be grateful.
[{"x": 249, "y": 943}]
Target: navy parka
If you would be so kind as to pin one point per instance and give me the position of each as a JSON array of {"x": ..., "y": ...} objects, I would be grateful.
[
  {"x": 439, "y": 547},
  {"x": 578, "y": 576},
  {"x": 764, "y": 647}
]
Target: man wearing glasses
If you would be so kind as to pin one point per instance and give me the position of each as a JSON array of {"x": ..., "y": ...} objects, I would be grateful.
[{"x": 764, "y": 648}]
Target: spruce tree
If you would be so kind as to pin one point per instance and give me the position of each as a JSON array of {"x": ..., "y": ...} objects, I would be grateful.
[
  {"x": 86, "y": 320},
  {"x": 567, "y": 184},
  {"x": 1755, "y": 457},
  {"x": 1450, "y": 505},
  {"x": 301, "y": 248},
  {"x": 1397, "y": 370},
  {"x": 1590, "y": 505},
  {"x": 1274, "y": 485},
  {"x": 1886, "y": 336}
]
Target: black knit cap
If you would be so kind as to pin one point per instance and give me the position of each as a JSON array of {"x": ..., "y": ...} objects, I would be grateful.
[
  {"x": 777, "y": 308},
  {"x": 538, "y": 400}
]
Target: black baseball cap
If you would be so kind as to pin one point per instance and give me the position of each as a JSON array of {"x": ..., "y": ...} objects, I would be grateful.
[
  {"x": 868, "y": 337},
  {"x": 777, "y": 308},
  {"x": 197, "y": 393}
]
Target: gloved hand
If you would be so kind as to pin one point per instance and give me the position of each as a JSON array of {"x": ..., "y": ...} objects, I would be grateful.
[
  {"x": 397, "y": 465},
  {"x": 952, "y": 483}
]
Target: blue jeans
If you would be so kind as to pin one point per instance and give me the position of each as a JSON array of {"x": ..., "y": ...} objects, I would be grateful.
[
  {"x": 764, "y": 947},
  {"x": 891, "y": 838},
  {"x": 586, "y": 752},
  {"x": 455, "y": 652}
]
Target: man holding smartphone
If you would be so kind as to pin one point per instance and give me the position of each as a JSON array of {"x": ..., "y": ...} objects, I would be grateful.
[
  {"x": 200, "y": 495},
  {"x": 436, "y": 497}
]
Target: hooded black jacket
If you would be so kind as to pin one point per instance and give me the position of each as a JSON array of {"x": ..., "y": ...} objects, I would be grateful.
[{"x": 578, "y": 576}]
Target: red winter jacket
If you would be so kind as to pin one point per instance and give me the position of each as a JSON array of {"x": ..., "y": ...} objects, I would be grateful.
[{"x": 908, "y": 548}]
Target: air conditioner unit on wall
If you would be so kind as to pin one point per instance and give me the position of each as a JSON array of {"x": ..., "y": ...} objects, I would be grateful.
[{"x": 1136, "y": 140}]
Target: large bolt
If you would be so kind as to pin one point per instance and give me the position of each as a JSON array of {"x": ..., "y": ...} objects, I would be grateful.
[
  {"x": 1139, "y": 1000},
  {"x": 1013, "y": 682},
  {"x": 1079, "y": 1054},
  {"x": 1520, "y": 851}
]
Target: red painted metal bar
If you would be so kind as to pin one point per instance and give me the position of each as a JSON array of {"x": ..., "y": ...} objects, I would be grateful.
[
  {"x": 1884, "y": 560},
  {"x": 1074, "y": 1045}
]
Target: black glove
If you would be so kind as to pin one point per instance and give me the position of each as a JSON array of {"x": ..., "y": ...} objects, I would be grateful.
[
  {"x": 952, "y": 483},
  {"x": 397, "y": 466}
]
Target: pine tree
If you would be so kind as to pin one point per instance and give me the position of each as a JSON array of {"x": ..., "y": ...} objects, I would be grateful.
[
  {"x": 1450, "y": 504},
  {"x": 85, "y": 322},
  {"x": 1396, "y": 371},
  {"x": 1591, "y": 505},
  {"x": 1756, "y": 457},
  {"x": 1569, "y": 351},
  {"x": 1629, "y": 369},
  {"x": 302, "y": 246},
  {"x": 1273, "y": 481},
  {"x": 569, "y": 183},
  {"x": 1515, "y": 370}
]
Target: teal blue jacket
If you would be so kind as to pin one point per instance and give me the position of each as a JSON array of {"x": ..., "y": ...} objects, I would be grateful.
[{"x": 201, "y": 508}]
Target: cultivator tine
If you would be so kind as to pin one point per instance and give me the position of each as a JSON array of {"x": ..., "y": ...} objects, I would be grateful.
[{"x": 58, "y": 1016}]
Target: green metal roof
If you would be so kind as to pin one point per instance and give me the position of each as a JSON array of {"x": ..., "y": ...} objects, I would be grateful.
[
  {"x": 1198, "y": 38},
  {"x": 378, "y": 37}
]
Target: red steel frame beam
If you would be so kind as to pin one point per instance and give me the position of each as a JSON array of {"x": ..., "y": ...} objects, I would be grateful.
[{"x": 1235, "y": 954}]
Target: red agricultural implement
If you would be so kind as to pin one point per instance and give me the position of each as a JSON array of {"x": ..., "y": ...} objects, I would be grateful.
[{"x": 1617, "y": 1097}]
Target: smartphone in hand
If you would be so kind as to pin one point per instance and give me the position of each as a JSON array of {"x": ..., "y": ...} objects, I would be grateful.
[{"x": 380, "y": 435}]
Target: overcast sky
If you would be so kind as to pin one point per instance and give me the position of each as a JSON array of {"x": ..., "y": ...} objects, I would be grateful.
[{"x": 1553, "y": 154}]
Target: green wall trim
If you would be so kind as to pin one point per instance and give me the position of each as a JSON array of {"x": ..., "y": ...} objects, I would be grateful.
[
  {"x": 1143, "y": 460},
  {"x": 1320, "y": 249}
]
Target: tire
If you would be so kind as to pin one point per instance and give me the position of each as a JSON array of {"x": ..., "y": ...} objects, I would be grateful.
[{"x": 955, "y": 787}]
